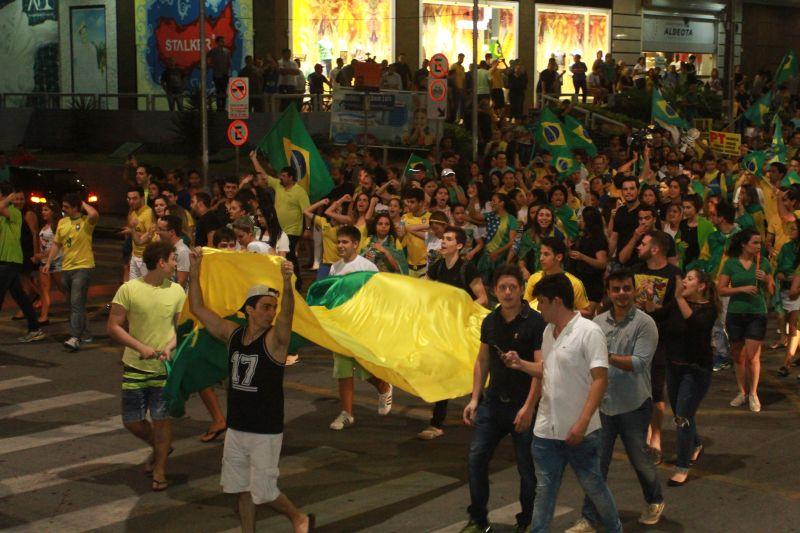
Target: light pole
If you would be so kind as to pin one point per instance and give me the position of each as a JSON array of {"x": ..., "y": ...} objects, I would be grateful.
[
  {"x": 475, "y": 80},
  {"x": 203, "y": 92}
]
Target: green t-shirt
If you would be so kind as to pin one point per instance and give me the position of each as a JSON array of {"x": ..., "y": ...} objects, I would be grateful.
[
  {"x": 746, "y": 303},
  {"x": 289, "y": 205},
  {"x": 10, "y": 231}
]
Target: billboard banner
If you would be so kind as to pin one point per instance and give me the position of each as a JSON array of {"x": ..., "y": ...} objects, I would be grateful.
[
  {"x": 29, "y": 46},
  {"x": 446, "y": 27},
  {"x": 322, "y": 30},
  {"x": 170, "y": 29},
  {"x": 393, "y": 118}
]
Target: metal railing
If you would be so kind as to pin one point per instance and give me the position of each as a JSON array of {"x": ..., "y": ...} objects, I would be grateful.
[{"x": 152, "y": 102}]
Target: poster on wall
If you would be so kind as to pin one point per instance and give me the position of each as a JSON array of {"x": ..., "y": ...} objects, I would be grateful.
[
  {"x": 564, "y": 32},
  {"x": 395, "y": 118},
  {"x": 322, "y": 30},
  {"x": 88, "y": 49},
  {"x": 170, "y": 29},
  {"x": 28, "y": 46},
  {"x": 447, "y": 27}
]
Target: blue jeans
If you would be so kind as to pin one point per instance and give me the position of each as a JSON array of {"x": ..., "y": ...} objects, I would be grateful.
[
  {"x": 551, "y": 457},
  {"x": 493, "y": 421},
  {"x": 631, "y": 427},
  {"x": 686, "y": 387},
  {"x": 77, "y": 284}
]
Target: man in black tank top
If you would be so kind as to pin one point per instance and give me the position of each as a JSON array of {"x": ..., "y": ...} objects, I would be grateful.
[{"x": 256, "y": 358}]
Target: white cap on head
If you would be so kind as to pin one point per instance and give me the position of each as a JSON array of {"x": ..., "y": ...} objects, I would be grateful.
[
  {"x": 259, "y": 290},
  {"x": 448, "y": 172}
]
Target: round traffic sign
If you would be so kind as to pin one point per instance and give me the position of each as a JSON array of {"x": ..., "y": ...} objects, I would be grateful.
[
  {"x": 439, "y": 66},
  {"x": 437, "y": 89},
  {"x": 238, "y": 132},
  {"x": 238, "y": 89}
]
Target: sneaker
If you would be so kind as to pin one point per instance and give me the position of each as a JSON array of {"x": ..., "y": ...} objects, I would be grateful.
[
  {"x": 31, "y": 336},
  {"x": 722, "y": 365},
  {"x": 72, "y": 344},
  {"x": 739, "y": 400},
  {"x": 652, "y": 514},
  {"x": 755, "y": 405},
  {"x": 473, "y": 527},
  {"x": 342, "y": 421},
  {"x": 87, "y": 340},
  {"x": 385, "y": 402},
  {"x": 581, "y": 526},
  {"x": 430, "y": 433}
]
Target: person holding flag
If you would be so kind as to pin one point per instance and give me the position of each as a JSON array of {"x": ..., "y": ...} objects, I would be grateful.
[
  {"x": 665, "y": 116},
  {"x": 787, "y": 69}
]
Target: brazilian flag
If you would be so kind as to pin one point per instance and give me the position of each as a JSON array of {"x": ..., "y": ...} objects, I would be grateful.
[
  {"x": 577, "y": 136},
  {"x": 791, "y": 178},
  {"x": 288, "y": 144},
  {"x": 787, "y": 69},
  {"x": 414, "y": 161},
  {"x": 564, "y": 162},
  {"x": 754, "y": 162},
  {"x": 550, "y": 131},
  {"x": 664, "y": 114},
  {"x": 758, "y": 111},
  {"x": 778, "y": 147}
]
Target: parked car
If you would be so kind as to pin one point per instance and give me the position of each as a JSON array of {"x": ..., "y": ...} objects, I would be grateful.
[{"x": 41, "y": 185}]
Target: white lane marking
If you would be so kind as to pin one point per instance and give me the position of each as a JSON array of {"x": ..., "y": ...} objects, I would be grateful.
[
  {"x": 23, "y": 381},
  {"x": 60, "y": 434},
  {"x": 56, "y": 402}
]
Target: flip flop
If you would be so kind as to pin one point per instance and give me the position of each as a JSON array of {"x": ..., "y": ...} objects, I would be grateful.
[
  {"x": 159, "y": 485},
  {"x": 312, "y": 521},
  {"x": 149, "y": 465},
  {"x": 211, "y": 436}
]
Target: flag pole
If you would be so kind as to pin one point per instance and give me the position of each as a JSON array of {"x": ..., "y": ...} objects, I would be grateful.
[
  {"x": 475, "y": 80},
  {"x": 203, "y": 91}
]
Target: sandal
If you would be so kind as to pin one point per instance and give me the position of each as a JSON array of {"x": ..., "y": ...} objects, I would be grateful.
[
  {"x": 211, "y": 436},
  {"x": 159, "y": 485},
  {"x": 430, "y": 433},
  {"x": 150, "y": 464},
  {"x": 698, "y": 453}
]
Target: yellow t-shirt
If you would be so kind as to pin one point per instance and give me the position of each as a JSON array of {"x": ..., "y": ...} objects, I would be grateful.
[
  {"x": 581, "y": 301},
  {"x": 329, "y": 242},
  {"x": 496, "y": 75},
  {"x": 75, "y": 238},
  {"x": 144, "y": 221},
  {"x": 459, "y": 75},
  {"x": 289, "y": 206},
  {"x": 151, "y": 318},
  {"x": 416, "y": 248}
]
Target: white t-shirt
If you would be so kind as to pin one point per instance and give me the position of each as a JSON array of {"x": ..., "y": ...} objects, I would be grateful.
[
  {"x": 182, "y": 256},
  {"x": 568, "y": 360},
  {"x": 287, "y": 79},
  {"x": 359, "y": 264},
  {"x": 263, "y": 247}
]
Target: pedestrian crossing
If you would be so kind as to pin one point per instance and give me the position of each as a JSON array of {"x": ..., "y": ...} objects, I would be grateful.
[{"x": 112, "y": 492}]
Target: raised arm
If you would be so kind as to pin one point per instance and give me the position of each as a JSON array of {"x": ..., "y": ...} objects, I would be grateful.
[
  {"x": 333, "y": 210},
  {"x": 215, "y": 324},
  {"x": 92, "y": 215},
  {"x": 278, "y": 338},
  {"x": 256, "y": 165}
]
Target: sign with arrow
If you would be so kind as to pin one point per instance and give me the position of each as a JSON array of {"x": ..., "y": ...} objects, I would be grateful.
[{"x": 437, "y": 99}]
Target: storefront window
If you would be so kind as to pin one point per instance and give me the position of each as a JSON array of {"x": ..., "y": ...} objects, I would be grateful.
[
  {"x": 703, "y": 62},
  {"x": 446, "y": 28},
  {"x": 563, "y": 32},
  {"x": 322, "y": 30}
]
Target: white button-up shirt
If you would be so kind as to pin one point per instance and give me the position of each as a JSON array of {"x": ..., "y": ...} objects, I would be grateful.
[{"x": 568, "y": 360}]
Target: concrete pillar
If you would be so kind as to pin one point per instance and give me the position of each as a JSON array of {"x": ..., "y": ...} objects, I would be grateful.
[
  {"x": 526, "y": 45},
  {"x": 406, "y": 32},
  {"x": 626, "y": 30}
]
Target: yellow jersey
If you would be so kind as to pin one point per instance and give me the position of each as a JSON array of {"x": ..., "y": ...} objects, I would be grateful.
[
  {"x": 74, "y": 235},
  {"x": 581, "y": 301},
  {"x": 416, "y": 248},
  {"x": 144, "y": 221}
]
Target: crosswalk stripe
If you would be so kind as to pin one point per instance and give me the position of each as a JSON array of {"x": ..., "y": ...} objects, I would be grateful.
[
  {"x": 131, "y": 507},
  {"x": 44, "y": 404},
  {"x": 60, "y": 434},
  {"x": 91, "y": 468},
  {"x": 23, "y": 381},
  {"x": 506, "y": 515},
  {"x": 363, "y": 500}
]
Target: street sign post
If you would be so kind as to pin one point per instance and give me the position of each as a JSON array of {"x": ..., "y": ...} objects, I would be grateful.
[
  {"x": 238, "y": 132},
  {"x": 238, "y": 99},
  {"x": 439, "y": 66},
  {"x": 437, "y": 99}
]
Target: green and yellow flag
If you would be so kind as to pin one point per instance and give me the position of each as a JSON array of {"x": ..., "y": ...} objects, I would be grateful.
[
  {"x": 365, "y": 315},
  {"x": 778, "y": 147},
  {"x": 791, "y": 178},
  {"x": 288, "y": 144},
  {"x": 787, "y": 69},
  {"x": 577, "y": 136},
  {"x": 550, "y": 131},
  {"x": 663, "y": 113},
  {"x": 414, "y": 161},
  {"x": 754, "y": 162},
  {"x": 564, "y": 162},
  {"x": 758, "y": 111}
]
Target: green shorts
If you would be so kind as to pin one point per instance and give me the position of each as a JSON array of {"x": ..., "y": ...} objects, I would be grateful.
[{"x": 347, "y": 367}]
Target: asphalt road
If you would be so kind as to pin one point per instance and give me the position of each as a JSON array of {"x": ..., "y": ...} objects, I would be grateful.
[{"x": 66, "y": 463}]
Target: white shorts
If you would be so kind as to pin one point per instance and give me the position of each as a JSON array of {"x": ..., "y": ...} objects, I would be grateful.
[
  {"x": 788, "y": 304},
  {"x": 138, "y": 268},
  {"x": 250, "y": 464}
]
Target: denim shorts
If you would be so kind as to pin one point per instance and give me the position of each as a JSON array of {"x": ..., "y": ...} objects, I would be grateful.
[
  {"x": 143, "y": 392},
  {"x": 748, "y": 326}
]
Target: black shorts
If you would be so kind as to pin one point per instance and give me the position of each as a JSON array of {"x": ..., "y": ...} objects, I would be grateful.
[
  {"x": 658, "y": 380},
  {"x": 750, "y": 326},
  {"x": 498, "y": 98}
]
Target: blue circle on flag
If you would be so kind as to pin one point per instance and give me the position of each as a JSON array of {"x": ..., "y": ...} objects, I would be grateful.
[
  {"x": 562, "y": 165},
  {"x": 298, "y": 163},
  {"x": 750, "y": 166},
  {"x": 552, "y": 133}
]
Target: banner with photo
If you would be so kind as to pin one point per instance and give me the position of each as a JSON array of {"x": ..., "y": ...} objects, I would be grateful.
[
  {"x": 170, "y": 29},
  {"x": 446, "y": 27},
  {"x": 395, "y": 118},
  {"x": 322, "y": 30},
  {"x": 29, "y": 49}
]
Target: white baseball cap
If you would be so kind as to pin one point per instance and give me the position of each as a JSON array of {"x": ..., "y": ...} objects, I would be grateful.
[
  {"x": 448, "y": 172},
  {"x": 259, "y": 290}
]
